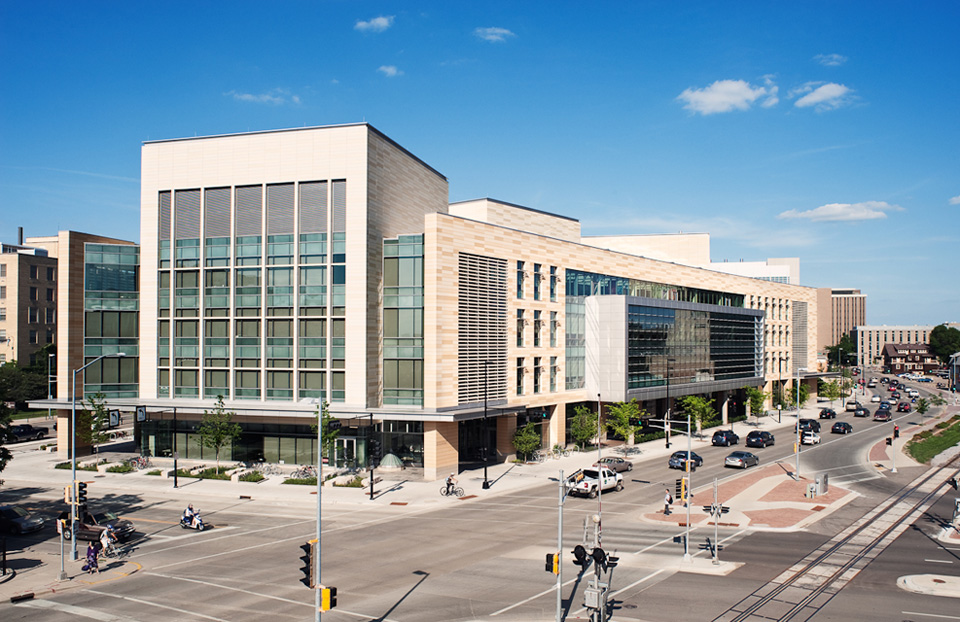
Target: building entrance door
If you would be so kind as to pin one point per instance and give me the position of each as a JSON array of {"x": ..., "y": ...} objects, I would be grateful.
[
  {"x": 345, "y": 452},
  {"x": 478, "y": 442}
]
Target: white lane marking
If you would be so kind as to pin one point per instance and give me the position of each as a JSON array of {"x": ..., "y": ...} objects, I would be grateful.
[
  {"x": 534, "y": 597},
  {"x": 639, "y": 581},
  {"x": 83, "y": 612},
  {"x": 939, "y": 561},
  {"x": 664, "y": 541},
  {"x": 153, "y": 604},
  {"x": 929, "y": 615}
]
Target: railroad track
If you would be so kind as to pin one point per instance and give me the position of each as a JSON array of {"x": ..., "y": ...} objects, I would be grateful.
[{"x": 800, "y": 592}]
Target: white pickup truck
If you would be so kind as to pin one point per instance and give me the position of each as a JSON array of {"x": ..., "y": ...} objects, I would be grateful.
[{"x": 587, "y": 481}]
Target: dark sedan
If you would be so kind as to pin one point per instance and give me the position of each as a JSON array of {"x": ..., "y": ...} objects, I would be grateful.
[
  {"x": 15, "y": 519},
  {"x": 759, "y": 439},
  {"x": 828, "y": 413},
  {"x": 861, "y": 412},
  {"x": 679, "y": 459},
  {"x": 841, "y": 427},
  {"x": 618, "y": 465},
  {"x": 741, "y": 459}
]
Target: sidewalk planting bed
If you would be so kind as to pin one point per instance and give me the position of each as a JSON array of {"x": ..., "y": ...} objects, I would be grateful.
[{"x": 927, "y": 444}]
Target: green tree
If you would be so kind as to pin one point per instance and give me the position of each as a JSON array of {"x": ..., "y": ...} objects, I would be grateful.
[
  {"x": 329, "y": 437},
  {"x": 849, "y": 351},
  {"x": 5, "y": 418},
  {"x": 583, "y": 425},
  {"x": 923, "y": 406},
  {"x": 755, "y": 398},
  {"x": 19, "y": 385},
  {"x": 701, "y": 410},
  {"x": 216, "y": 429},
  {"x": 93, "y": 422},
  {"x": 829, "y": 389},
  {"x": 791, "y": 395},
  {"x": 526, "y": 440},
  {"x": 936, "y": 400},
  {"x": 944, "y": 341},
  {"x": 621, "y": 417}
]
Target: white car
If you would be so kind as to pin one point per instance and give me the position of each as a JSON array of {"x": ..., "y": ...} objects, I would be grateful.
[
  {"x": 810, "y": 438},
  {"x": 875, "y": 399}
]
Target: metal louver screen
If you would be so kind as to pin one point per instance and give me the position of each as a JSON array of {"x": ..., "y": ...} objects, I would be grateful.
[
  {"x": 187, "y": 214},
  {"x": 313, "y": 207},
  {"x": 339, "y": 206},
  {"x": 799, "y": 332},
  {"x": 248, "y": 212},
  {"x": 216, "y": 213},
  {"x": 482, "y": 336},
  {"x": 164, "y": 215},
  {"x": 280, "y": 209}
]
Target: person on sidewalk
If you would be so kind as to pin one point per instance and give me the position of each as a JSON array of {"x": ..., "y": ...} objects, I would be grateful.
[
  {"x": 93, "y": 552},
  {"x": 667, "y": 501}
]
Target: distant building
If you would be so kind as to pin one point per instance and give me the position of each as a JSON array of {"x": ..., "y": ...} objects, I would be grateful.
[
  {"x": 902, "y": 358},
  {"x": 871, "y": 339},
  {"x": 28, "y": 302},
  {"x": 845, "y": 308}
]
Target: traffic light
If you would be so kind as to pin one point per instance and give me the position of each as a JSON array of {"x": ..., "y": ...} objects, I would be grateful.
[
  {"x": 896, "y": 431},
  {"x": 81, "y": 493},
  {"x": 328, "y": 598},
  {"x": 376, "y": 450},
  {"x": 678, "y": 489},
  {"x": 553, "y": 563},
  {"x": 67, "y": 495},
  {"x": 889, "y": 441},
  {"x": 579, "y": 555},
  {"x": 306, "y": 558}
]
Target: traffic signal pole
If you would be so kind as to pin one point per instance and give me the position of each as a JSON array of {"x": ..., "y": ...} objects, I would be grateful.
[
  {"x": 319, "y": 558},
  {"x": 560, "y": 547}
]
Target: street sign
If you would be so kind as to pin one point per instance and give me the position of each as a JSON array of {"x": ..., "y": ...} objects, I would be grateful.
[
  {"x": 141, "y": 413},
  {"x": 114, "y": 418}
]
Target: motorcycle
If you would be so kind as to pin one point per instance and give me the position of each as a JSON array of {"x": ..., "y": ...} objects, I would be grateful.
[{"x": 187, "y": 524}]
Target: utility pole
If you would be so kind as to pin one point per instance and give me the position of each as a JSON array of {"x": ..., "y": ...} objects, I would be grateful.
[
  {"x": 560, "y": 547},
  {"x": 689, "y": 499}
]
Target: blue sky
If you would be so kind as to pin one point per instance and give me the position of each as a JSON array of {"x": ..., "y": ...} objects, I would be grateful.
[{"x": 821, "y": 130}]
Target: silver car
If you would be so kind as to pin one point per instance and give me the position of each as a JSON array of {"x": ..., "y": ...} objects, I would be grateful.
[{"x": 741, "y": 460}]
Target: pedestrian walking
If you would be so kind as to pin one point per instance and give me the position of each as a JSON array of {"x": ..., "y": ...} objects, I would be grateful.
[
  {"x": 667, "y": 501},
  {"x": 93, "y": 552}
]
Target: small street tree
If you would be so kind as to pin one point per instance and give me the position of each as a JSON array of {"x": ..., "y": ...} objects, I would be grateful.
[
  {"x": 93, "y": 422},
  {"x": 700, "y": 408},
  {"x": 755, "y": 399},
  {"x": 583, "y": 426},
  {"x": 216, "y": 429},
  {"x": 526, "y": 440},
  {"x": 829, "y": 389},
  {"x": 623, "y": 419},
  {"x": 923, "y": 406}
]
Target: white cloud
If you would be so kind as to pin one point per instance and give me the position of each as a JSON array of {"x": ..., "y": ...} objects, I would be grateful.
[
  {"x": 830, "y": 60},
  {"x": 834, "y": 212},
  {"x": 955, "y": 200},
  {"x": 390, "y": 71},
  {"x": 821, "y": 96},
  {"x": 377, "y": 24},
  {"x": 493, "y": 34},
  {"x": 276, "y": 97},
  {"x": 729, "y": 95}
]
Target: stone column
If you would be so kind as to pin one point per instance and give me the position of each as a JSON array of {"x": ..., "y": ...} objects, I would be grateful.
[{"x": 441, "y": 449}]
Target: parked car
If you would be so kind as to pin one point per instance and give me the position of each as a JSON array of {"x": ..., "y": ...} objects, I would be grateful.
[
  {"x": 741, "y": 459},
  {"x": 809, "y": 424},
  {"x": 903, "y": 407},
  {"x": 828, "y": 413},
  {"x": 756, "y": 438},
  {"x": 90, "y": 525},
  {"x": 882, "y": 415},
  {"x": 27, "y": 432},
  {"x": 875, "y": 399},
  {"x": 725, "y": 438},
  {"x": 679, "y": 458},
  {"x": 810, "y": 438},
  {"x": 861, "y": 412},
  {"x": 15, "y": 519},
  {"x": 841, "y": 427},
  {"x": 616, "y": 464}
]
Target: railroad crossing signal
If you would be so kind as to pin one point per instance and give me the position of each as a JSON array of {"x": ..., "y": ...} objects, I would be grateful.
[
  {"x": 716, "y": 509},
  {"x": 579, "y": 555}
]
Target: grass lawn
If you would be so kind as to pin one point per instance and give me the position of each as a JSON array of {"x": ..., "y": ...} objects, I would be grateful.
[{"x": 928, "y": 444}]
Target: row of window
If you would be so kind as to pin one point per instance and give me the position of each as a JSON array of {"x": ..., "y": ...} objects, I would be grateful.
[
  {"x": 538, "y": 277},
  {"x": 252, "y": 384},
  {"x": 523, "y": 320},
  {"x": 538, "y": 372},
  {"x": 35, "y": 272},
  {"x": 33, "y": 315}
]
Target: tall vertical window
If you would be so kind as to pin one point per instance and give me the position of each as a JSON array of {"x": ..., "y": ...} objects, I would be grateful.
[
  {"x": 520, "y": 279},
  {"x": 553, "y": 374},
  {"x": 3, "y": 269},
  {"x": 34, "y": 272},
  {"x": 34, "y": 293},
  {"x": 553, "y": 283},
  {"x": 553, "y": 329},
  {"x": 111, "y": 318},
  {"x": 403, "y": 320},
  {"x": 49, "y": 294},
  {"x": 536, "y": 329},
  {"x": 520, "y": 372},
  {"x": 536, "y": 281},
  {"x": 50, "y": 274},
  {"x": 3, "y": 313},
  {"x": 32, "y": 315},
  {"x": 520, "y": 323},
  {"x": 537, "y": 371}
]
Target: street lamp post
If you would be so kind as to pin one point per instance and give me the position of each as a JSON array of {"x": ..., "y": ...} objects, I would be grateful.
[
  {"x": 486, "y": 432},
  {"x": 49, "y": 388},
  {"x": 666, "y": 418},
  {"x": 599, "y": 473},
  {"x": 797, "y": 453},
  {"x": 73, "y": 451}
]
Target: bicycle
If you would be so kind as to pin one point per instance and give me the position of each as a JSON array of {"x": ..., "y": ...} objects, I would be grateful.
[
  {"x": 539, "y": 456},
  {"x": 305, "y": 472},
  {"x": 141, "y": 462},
  {"x": 455, "y": 491},
  {"x": 560, "y": 452}
]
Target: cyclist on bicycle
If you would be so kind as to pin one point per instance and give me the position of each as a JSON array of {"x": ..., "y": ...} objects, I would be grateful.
[
  {"x": 451, "y": 482},
  {"x": 107, "y": 538}
]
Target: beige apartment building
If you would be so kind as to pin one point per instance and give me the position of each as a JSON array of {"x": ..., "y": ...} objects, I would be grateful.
[
  {"x": 289, "y": 269},
  {"x": 28, "y": 302},
  {"x": 871, "y": 340},
  {"x": 842, "y": 311}
]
